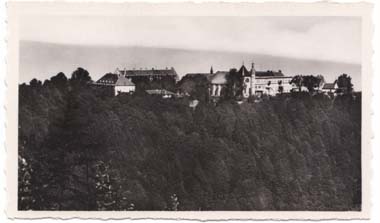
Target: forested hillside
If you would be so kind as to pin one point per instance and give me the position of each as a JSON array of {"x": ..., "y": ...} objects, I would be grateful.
[{"x": 82, "y": 150}]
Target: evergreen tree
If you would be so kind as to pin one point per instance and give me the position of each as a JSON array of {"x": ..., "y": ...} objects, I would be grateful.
[{"x": 344, "y": 84}]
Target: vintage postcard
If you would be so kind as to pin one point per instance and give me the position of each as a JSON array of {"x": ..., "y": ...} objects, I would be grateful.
[{"x": 206, "y": 111}]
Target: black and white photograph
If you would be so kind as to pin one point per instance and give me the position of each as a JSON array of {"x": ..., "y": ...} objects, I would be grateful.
[{"x": 200, "y": 113}]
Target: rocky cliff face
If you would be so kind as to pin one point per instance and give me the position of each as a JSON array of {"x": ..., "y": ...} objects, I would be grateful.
[{"x": 88, "y": 152}]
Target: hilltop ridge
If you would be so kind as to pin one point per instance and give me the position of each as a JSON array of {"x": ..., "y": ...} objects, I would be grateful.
[
  {"x": 42, "y": 60},
  {"x": 137, "y": 152}
]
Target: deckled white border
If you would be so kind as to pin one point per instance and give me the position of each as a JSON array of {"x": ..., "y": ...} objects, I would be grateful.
[{"x": 321, "y": 9}]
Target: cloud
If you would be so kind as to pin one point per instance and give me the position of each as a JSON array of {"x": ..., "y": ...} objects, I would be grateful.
[{"x": 325, "y": 38}]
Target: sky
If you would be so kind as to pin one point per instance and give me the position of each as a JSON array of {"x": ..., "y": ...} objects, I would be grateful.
[{"x": 330, "y": 39}]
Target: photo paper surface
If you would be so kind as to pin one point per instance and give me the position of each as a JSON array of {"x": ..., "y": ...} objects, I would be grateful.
[{"x": 207, "y": 111}]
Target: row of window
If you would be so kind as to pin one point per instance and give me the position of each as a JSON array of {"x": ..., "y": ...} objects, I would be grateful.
[
  {"x": 106, "y": 81},
  {"x": 278, "y": 81}
]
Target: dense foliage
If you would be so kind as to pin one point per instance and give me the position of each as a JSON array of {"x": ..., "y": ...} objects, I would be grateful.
[
  {"x": 196, "y": 86},
  {"x": 234, "y": 86},
  {"x": 310, "y": 82},
  {"x": 161, "y": 82},
  {"x": 81, "y": 150},
  {"x": 344, "y": 84}
]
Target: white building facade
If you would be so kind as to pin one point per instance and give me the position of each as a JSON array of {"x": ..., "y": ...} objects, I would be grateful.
[
  {"x": 124, "y": 85},
  {"x": 119, "y": 83},
  {"x": 254, "y": 82}
]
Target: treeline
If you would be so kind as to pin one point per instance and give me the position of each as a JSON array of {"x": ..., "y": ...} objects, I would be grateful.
[
  {"x": 81, "y": 150},
  {"x": 314, "y": 83}
]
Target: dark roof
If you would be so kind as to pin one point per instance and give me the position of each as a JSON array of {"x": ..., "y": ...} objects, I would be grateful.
[
  {"x": 329, "y": 86},
  {"x": 269, "y": 73},
  {"x": 114, "y": 79},
  {"x": 194, "y": 75},
  {"x": 149, "y": 72},
  {"x": 108, "y": 79},
  {"x": 244, "y": 72}
]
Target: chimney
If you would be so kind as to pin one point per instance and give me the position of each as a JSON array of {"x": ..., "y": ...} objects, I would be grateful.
[{"x": 253, "y": 65}]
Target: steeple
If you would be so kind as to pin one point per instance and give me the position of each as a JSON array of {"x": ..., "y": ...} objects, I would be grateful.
[
  {"x": 253, "y": 79},
  {"x": 253, "y": 70},
  {"x": 211, "y": 71}
]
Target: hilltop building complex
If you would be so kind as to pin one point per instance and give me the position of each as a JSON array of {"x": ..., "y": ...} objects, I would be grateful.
[
  {"x": 119, "y": 83},
  {"x": 254, "y": 82},
  {"x": 243, "y": 82},
  {"x": 128, "y": 81}
]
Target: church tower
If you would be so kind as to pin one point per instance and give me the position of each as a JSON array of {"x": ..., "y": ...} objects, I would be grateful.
[
  {"x": 246, "y": 75},
  {"x": 253, "y": 79},
  {"x": 211, "y": 70}
]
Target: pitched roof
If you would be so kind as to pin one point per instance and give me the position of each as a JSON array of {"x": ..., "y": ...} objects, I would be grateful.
[
  {"x": 194, "y": 75},
  {"x": 219, "y": 77},
  {"x": 269, "y": 73},
  {"x": 123, "y": 81},
  {"x": 244, "y": 72},
  {"x": 149, "y": 72},
  {"x": 114, "y": 80},
  {"x": 329, "y": 86},
  {"x": 108, "y": 79}
]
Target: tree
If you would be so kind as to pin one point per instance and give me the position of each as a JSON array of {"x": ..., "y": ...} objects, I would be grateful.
[
  {"x": 194, "y": 85},
  {"x": 174, "y": 202},
  {"x": 25, "y": 194},
  {"x": 105, "y": 194},
  {"x": 59, "y": 80},
  {"x": 81, "y": 76},
  {"x": 321, "y": 81},
  {"x": 280, "y": 87},
  {"x": 79, "y": 151},
  {"x": 344, "y": 84},
  {"x": 35, "y": 83},
  {"x": 298, "y": 81},
  {"x": 310, "y": 82},
  {"x": 234, "y": 84}
]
